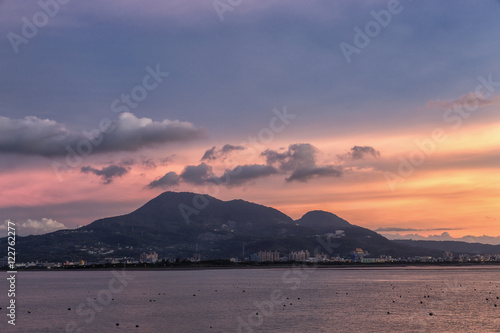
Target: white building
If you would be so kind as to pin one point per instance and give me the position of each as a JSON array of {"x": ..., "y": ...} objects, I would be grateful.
[{"x": 149, "y": 257}]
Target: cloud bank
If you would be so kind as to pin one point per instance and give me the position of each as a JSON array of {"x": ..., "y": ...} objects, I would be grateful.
[
  {"x": 170, "y": 179},
  {"x": 33, "y": 227},
  {"x": 245, "y": 173},
  {"x": 106, "y": 173},
  {"x": 300, "y": 160},
  {"x": 34, "y": 136},
  {"x": 447, "y": 237},
  {"x": 359, "y": 153},
  {"x": 214, "y": 153},
  {"x": 202, "y": 174}
]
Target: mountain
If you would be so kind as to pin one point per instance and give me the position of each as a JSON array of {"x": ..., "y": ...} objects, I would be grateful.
[
  {"x": 322, "y": 221},
  {"x": 452, "y": 246},
  {"x": 178, "y": 225},
  {"x": 347, "y": 237}
]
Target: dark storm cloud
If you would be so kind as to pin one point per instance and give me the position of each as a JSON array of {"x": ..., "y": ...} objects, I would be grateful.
[
  {"x": 273, "y": 156},
  {"x": 209, "y": 154},
  {"x": 304, "y": 174},
  {"x": 202, "y": 174},
  {"x": 228, "y": 148},
  {"x": 34, "y": 136},
  {"x": 245, "y": 173},
  {"x": 300, "y": 160},
  {"x": 168, "y": 180},
  {"x": 197, "y": 174},
  {"x": 214, "y": 153},
  {"x": 360, "y": 152},
  {"x": 106, "y": 173}
]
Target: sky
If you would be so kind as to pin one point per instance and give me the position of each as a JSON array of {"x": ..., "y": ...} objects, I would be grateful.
[{"x": 382, "y": 112}]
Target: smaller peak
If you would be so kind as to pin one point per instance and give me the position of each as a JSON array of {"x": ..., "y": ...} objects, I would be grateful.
[
  {"x": 321, "y": 219},
  {"x": 319, "y": 212}
]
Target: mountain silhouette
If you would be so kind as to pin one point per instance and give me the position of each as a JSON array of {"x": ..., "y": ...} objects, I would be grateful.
[
  {"x": 322, "y": 221},
  {"x": 180, "y": 224}
]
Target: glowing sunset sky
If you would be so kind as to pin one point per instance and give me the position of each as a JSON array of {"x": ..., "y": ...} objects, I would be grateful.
[{"x": 103, "y": 106}]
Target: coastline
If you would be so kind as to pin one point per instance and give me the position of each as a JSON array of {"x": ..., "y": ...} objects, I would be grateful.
[{"x": 288, "y": 265}]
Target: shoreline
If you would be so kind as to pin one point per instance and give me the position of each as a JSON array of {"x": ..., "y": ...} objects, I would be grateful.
[{"x": 305, "y": 265}]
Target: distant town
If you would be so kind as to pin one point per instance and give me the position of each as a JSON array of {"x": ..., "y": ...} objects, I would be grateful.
[{"x": 357, "y": 257}]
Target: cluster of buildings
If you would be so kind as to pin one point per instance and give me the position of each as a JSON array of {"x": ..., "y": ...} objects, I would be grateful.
[
  {"x": 356, "y": 256},
  {"x": 268, "y": 256},
  {"x": 274, "y": 256},
  {"x": 360, "y": 256},
  {"x": 152, "y": 258},
  {"x": 99, "y": 250},
  {"x": 299, "y": 255},
  {"x": 148, "y": 258}
]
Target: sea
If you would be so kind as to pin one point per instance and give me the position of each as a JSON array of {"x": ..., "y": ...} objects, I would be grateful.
[{"x": 296, "y": 299}]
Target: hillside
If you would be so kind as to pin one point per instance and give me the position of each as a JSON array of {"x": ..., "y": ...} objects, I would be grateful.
[
  {"x": 178, "y": 225},
  {"x": 452, "y": 246}
]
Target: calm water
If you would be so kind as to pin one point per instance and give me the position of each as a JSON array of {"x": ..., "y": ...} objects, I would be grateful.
[{"x": 258, "y": 300}]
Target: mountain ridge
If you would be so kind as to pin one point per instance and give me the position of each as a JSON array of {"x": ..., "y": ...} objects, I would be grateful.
[{"x": 214, "y": 228}]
